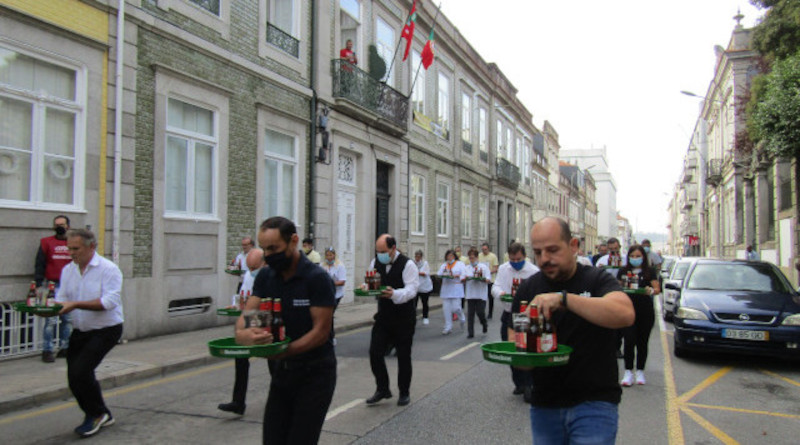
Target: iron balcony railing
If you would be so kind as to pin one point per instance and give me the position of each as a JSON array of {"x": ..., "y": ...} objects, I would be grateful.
[
  {"x": 466, "y": 146},
  {"x": 714, "y": 171},
  {"x": 508, "y": 172},
  {"x": 283, "y": 40},
  {"x": 357, "y": 86}
]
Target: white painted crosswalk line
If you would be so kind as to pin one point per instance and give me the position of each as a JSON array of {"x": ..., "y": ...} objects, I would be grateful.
[{"x": 458, "y": 351}]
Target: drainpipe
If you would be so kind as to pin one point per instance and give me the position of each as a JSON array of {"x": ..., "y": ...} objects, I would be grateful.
[
  {"x": 118, "y": 130},
  {"x": 312, "y": 127}
]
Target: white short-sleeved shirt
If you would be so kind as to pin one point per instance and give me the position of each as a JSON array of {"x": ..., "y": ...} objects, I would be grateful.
[
  {"x": 337, "y": 273},
  {"x": 453, "y": 287},
  {"x": 102, "y": 279},
  {"x": 474, "y": 289}
]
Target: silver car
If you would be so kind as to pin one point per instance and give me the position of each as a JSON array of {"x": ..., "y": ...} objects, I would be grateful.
[{"x": 669, "y": 296}]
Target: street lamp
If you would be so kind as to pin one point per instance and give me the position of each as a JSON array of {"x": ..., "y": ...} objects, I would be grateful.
[{"x": 690, "y": 94}]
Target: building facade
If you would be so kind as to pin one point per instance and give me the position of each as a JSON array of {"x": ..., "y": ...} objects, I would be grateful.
[{"x": 596, "y": 161}]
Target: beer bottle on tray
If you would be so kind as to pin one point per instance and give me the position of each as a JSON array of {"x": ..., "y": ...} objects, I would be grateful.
[
  {"x": 278, "y": 327},
  {"x": 534, "y": 329},
  {"x": 31, "y": 299},
  {"x": 521, "y": 323},
  {"x": 547, "y": 339},
  {"x": 51, "y": 295}
]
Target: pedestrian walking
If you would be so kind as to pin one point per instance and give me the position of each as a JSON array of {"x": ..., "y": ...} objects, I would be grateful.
[
  {"x": 395, "y": 319},
  {"x": 490, "y": 259},
  {"x": 637, "y": 336},
  {"x": 308, "y": 249},
  {"x": 476, "y": 292},
  {"x": 425, "y": 285},
  {"x": 91, "y": 290},
  {"x": 52, "y": 256},
  {"x": 453, "y": 273},
  {"x": 304, "y": 375},
  {"x": 255, "y": 263},
  {"x": 240, "y": 261},
  {"x": 519, "y": 268},
  {"x": 750, "y": 254},
  {"x": 653, "y": 258},
  {"x": 577, "y": 402},
  {"x": 336, "y": 271}
]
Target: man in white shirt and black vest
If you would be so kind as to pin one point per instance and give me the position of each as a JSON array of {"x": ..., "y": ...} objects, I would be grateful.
[{"x": 395, "y": 319}]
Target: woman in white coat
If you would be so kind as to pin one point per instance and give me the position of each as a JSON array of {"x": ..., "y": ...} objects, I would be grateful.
[
  {"x": 425, "y": 285},
  {"x": 477, "y": 289},
  {"x": 453, "y": 274}
]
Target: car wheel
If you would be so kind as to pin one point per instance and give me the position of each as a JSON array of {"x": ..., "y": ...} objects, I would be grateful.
[
  {"x": 665, "y": 314},
  {"x": 679, "y": 351}
]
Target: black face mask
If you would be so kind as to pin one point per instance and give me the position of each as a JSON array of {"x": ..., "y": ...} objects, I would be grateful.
[
  {"x": 61, "y": 230},
  {"x": 278, "y": 261}
]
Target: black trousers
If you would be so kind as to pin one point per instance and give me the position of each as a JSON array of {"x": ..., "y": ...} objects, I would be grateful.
[
  {"x": 520, "y": 378},
  {"x": 240, "y": 381},
  {"x": 423, "y": 296},
  {"x": 638, "y": 335},
  {"x": 299, "y": 397},
  {"x": 397, "y": 333},
  {"x": 491, "y": 302},
  {"x": 473, "y": 307},
  {"x": 86, "y": 351}
]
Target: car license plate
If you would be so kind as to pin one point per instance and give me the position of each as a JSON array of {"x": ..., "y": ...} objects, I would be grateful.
[{"x": 741, "y": 334}]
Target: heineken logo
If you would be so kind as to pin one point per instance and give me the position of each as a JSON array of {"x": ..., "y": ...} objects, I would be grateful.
[
  {"x": 235, "y": 352},
  {"x": 499, "y": 358},
  {"x": 559, "y": 359}
]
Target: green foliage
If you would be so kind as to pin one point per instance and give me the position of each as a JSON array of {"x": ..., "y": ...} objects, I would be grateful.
[
  {"x": 376, "y": 64},
  {"x": 777, "y": 36},
  {"x": 774, "y": 111}
]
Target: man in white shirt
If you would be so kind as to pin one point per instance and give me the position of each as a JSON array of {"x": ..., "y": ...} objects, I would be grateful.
[
  {"x": 240, "y": 262},
  {"x": 613, "y": 250},
  {"x": 517, "y": 267},
  {"x": 90, "y": 290}
]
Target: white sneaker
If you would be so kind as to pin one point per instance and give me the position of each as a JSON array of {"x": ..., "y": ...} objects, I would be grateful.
[
  {"x": 627, "y": 379},
  {"x": 425, "y": 321},
  {"x": 446, "y": 331},
  {"x": 640, "y": 377},
  {"x": 334, "y": 342}
]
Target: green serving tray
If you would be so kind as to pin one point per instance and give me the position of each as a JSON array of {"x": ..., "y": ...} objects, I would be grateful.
[
  {"x": 640, "y": 291},
  {"x": 227, "y": 348},
  {"x": 229, "y": 312},
  {"x": 506, "y": 298},
  {"x": 38, "y": 309},
  {"x": 505, "y": 352},
  {"x": 236, "y": 272},
  {"x": 448, "y": 277},
  {"x": 368, "y": 293},
  {"x": 477, "y": 278}
]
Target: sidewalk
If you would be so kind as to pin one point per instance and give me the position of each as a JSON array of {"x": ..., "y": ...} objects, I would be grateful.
[{"x": 28, "y": 382}]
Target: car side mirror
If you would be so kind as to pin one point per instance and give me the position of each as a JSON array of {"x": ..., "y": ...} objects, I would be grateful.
[{"x": 671, "y": 286}]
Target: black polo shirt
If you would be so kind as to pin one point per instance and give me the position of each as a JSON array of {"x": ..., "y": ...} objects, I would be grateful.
[{"x": 310, "y": 286}]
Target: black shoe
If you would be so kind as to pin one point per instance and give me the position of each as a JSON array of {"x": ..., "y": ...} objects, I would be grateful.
[
  {"x": 404, "y": 400},
  {"x": 619, "y": 354},
  {"x": 62, "y": 353},
  {"x": 527, "y": 396},
  {"x": 48, "y": 357},
  {"x": 378, "y": 396},
  {"x": 518, "y": 390},
  {"x": 471, "y": 336},
  {"x": 485, "y": 328},
  {"x": 232, "y": 407}
]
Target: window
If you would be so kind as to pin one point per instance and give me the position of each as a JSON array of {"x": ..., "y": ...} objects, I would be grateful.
[
  {"x": 483, "y": 216},
  {"x": 466, "y": 213},
  {"x": 418, "y": 94},
  {"x": 785, "y": 178},
  {"x": 483, "y": 131},
  {"x": 280, "y": 175},
  {"x": 190, "y": 159},
  {"x": 510, "y": 143},
  {"x": 41, "y": 131},
  {"x": 417, "y": 205},
  {"x": 350, "y": 24},
  {"x": 466, "y": 118},
  {"x": 385, "y": 41},
  {"x": 442, "y": 209},
  {"x": 444, "y": 103},
  {"x": 283, "y": 30},
  {"x": 282, "y": 15},
  {"x": 501, "y": 149},
  {"x": 211, "y": 6}
]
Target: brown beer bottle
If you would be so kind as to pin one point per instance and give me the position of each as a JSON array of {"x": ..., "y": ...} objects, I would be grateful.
[
  {"x": 547, "y": 339},
  {"x": 278, "y": 327},
  {"x": 31, "y": 299},
  {"x": 520, "y": 321},
  {"x": 51, "y": 295},
  {"x": 534, "y": 329}
]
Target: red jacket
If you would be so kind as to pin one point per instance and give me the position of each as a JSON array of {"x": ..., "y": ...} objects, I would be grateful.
[{"x": 56, "y": 256}]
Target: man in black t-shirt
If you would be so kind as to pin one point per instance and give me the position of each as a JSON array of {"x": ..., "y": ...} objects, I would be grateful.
[
  {"x": 304, "y": 376},
  {"x": 585, "y": 305}
]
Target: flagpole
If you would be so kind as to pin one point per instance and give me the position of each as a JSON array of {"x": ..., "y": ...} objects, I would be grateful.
[
  {"x": 433, "y": 28},
  {"x": 396, "y": 49}
]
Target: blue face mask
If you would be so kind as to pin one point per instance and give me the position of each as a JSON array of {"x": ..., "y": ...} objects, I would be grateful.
[
  {"x": 253, "y": 273},
  {"x": 635, "y": 262},
  {"x": 646, "y": 249},
  {"x": 517, "y": 265},
  {"x": 384, "y": 257}
]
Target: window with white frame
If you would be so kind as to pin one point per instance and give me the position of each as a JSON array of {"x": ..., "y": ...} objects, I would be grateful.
[
  {"x": 282, "y": 14},
  {"x": 385, "y": 41},
  {"x": 519, "y": 154},
  {"x": 442, "y": 209},
  {"x": 466, "y": 213},
  {"x": 526, "y": 161},
  {"x": 417, "y": 204},
  {"x": 418, "y": 94},
  {"x": 483, "y": 216},
  {"x": 280, "y": 175},
  {"x": 466, "y": 117},
  {"x": 350, "y": 23},
  {"x": 510, "y": 143},
  {"x": 191, "y": 160},
  {"x": 501, "y": 148},
  {"x": 483, "y": 138},
  {"x": 211, "y": 6},
  {"x": 444, "y": 102},
  {"x": 42, "y": 107}
]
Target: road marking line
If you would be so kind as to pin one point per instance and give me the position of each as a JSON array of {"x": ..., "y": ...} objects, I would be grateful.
[
  {"x": 661, "y": 325},
  {"x": 674, "y": 429},
  {"x": 745, "y": 411},
  {"x": 777, "y": 376},
  {"x": 716, "y": 432},
  {"x": 458, "y": 351},
  {"x": 685, "y": 397},
  {"x": 335, "y": 412}
]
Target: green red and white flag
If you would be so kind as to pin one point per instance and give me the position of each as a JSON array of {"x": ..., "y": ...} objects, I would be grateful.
[
  {"x": 428, "y": 52},
  {"x": 408, "y": 29}
]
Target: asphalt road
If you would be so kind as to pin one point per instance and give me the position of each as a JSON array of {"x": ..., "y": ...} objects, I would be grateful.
[{"x": 456, "y": 398}]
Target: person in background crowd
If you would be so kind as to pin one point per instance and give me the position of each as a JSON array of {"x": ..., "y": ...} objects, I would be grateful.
[
  {"x": 52, "y": 256},
  {"x": 581, "y": 257},
  {"x": 577, "y": 402},
  {"x": 637, "y": 336},
  {"x": 395, "y": 320},
  {"x": 652, "y": 257},
  {"x": 91, "y": 287},
  {"x": 505, "y": 255},
  {"x": 308, "y": 249},
  {"x": 613, "y": 249},
  {"x": 750, "y": 254},
  {"x": 240, "y": 262},
  {"x": 348, "y": 54},
  {"x": 304, "y": 375},
  {"x": 453, "y": 273},
  {"x": 338, "y": 274},
  {"x": 476, "y": 292},
  {"x": 490, "y": 259},
  {"x": 254, "y": 262},
  {"x": 460, "y": 257},
  {"x": 602, "y": 250},
  {"x": 517, "y": 267},
  {"x": 425, "y": 285}
]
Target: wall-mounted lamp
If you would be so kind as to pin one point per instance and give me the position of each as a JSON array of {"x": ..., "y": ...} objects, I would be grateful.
[{"x": 325, "y": 149}]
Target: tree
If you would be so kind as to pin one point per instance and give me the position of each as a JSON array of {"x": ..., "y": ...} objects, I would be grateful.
[
  {"x": 774, "y": 117},
  {"x": 777, "y": 36}
]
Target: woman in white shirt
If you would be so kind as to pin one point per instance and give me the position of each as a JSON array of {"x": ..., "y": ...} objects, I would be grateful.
[
  {"x": 453, "y": 273},
  {"x": 425, "y": 285},
  {"x": 476, "y": 292},
  {"x": 336, "y": 270}
]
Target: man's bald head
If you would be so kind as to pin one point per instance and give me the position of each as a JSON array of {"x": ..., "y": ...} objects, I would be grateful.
[
  {"x": 385, "y": 243},
  {"x": 255, "y": 259}
]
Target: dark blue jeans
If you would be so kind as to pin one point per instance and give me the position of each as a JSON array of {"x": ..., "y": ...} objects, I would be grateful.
[
  {"x": 86, "y": 351},
  {"x": 588, "y": 423},
  {"x": 64, "y": 331}
]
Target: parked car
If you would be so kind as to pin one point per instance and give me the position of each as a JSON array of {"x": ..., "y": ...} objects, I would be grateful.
[
  {"x": 736, "y": 306},
  {"x": 670, "y": 295},
  {"x": 666, "y": 266}
]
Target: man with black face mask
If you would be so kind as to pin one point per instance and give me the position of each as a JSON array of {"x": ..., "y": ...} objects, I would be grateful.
[
  {"x": 303, "y": 376},
  {"x": 52, "y": 256}
]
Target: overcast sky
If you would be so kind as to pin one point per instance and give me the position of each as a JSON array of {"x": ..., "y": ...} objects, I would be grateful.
[{"x": 609, "y": 73}]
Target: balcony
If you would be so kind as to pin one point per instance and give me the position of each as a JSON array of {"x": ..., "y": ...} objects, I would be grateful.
[
  {"x": 466, "y": 146},
  {"x": 283, "y": 40},
  {"x": 508, "y": 173},
  {"x": 714, "y": 171},
  {"x": 690, "y": 196},
  {"x": 367, "y": 98}
]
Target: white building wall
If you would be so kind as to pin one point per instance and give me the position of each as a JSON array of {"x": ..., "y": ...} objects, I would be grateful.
[{"x": 596, "y": 161}]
